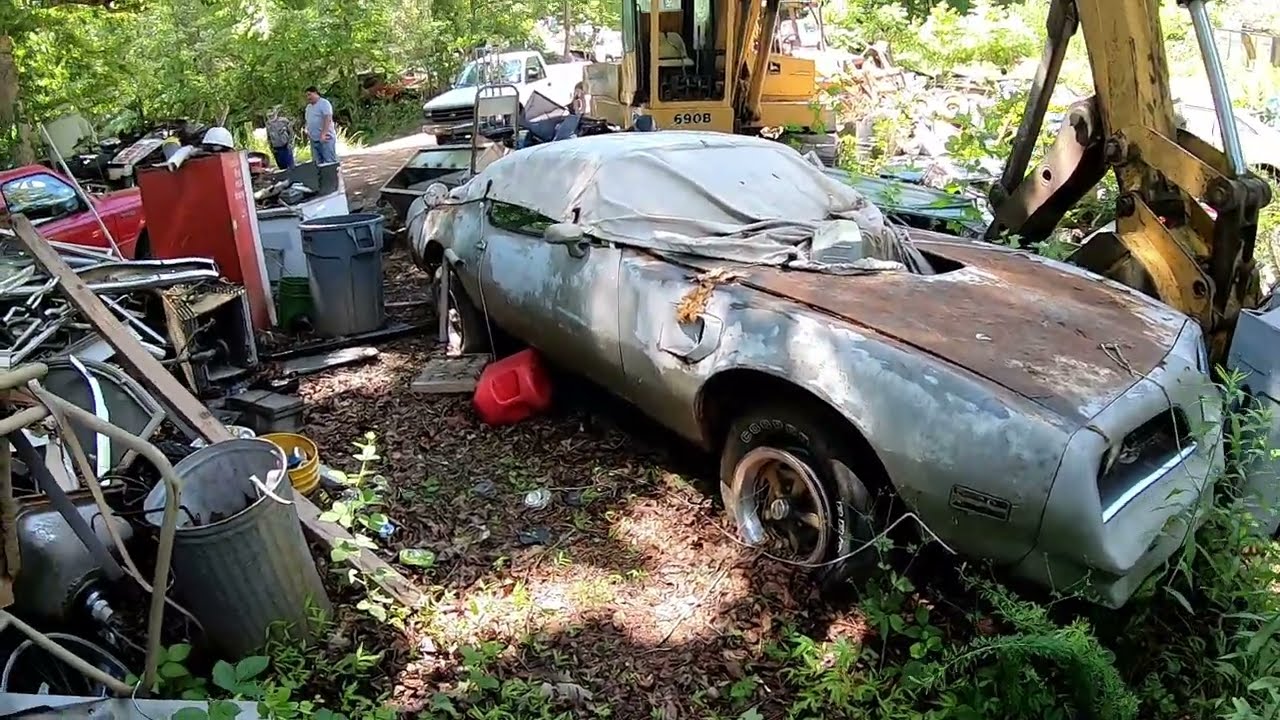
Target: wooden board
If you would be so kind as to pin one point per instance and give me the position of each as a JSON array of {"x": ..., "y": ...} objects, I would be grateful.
[
  {"x": 184, "y": 407},
  {"x": 442, "y": 375}
]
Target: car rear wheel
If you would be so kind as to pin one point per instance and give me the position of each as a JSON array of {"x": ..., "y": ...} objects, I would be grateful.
[{"x": 790, "y": 485}]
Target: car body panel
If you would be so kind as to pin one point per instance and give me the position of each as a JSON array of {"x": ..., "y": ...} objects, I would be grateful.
[
  {"x": 121, "y": 212},
  {"x": 991, "y": 393},
  {"x": 1012, "y": 318}
]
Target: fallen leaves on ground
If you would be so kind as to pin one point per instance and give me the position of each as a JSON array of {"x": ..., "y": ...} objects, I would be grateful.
[{"x": 626, "y": 588}]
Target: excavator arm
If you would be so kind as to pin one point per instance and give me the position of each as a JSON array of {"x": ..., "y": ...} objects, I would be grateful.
[{"x": 1187, "y": 213}]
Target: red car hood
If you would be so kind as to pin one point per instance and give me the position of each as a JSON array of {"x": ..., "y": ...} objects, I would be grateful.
[{"x": 1063, "y": 339}]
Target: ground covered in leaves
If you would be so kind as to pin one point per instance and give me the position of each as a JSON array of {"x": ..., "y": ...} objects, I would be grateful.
[{"x": 625, "y": 594}]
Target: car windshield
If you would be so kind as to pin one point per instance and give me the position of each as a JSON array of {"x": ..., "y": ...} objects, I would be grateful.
[{"x": 480, "y": 72}]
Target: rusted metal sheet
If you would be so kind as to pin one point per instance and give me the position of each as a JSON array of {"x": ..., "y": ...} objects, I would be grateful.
[{"x": 1069, "y": 342}]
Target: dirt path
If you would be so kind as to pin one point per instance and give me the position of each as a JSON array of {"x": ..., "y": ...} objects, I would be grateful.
[{"x": 366, "y": 169}]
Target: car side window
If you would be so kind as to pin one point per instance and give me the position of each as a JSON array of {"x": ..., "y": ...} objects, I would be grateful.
[
  {"x": 518, "y": 219},
  {"x": 40, "y": 197},
  {"x": 533, "y": 70}
]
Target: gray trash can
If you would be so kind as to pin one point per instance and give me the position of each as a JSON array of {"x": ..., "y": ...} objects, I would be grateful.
[
  {"x": 240, "y": 561},
  {"x": 344, "y": 260}
]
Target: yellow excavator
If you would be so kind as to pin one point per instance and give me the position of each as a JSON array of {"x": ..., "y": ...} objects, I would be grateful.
[
  {"x": 711, "y": 65},
  {"x": 1187, "y": 212}
]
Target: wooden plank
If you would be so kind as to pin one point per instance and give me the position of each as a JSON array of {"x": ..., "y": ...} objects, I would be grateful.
[
  {"x": 182, "y": 405},
  {"x": 369, "y": 564},
  {"x": 443, "y": 375}
]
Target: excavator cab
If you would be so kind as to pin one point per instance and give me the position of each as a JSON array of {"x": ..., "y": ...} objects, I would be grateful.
[
  {"x": 677, "y": 66},
  {"x": 710, "y": 65}
]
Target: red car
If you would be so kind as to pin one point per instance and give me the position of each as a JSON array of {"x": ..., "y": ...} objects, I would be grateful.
[{"x": 50, "y": 201}]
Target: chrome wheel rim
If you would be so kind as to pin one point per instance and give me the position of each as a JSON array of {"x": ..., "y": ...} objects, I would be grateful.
[
  {"x": 780, "y": 506},
  {"x": 455, "y": 334}
]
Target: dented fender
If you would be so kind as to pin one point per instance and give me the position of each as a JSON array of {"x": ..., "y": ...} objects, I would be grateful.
[{"x": 976, "y": 462}]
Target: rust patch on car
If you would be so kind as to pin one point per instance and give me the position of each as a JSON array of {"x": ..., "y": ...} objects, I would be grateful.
[{"x": 1069, "y": 342}]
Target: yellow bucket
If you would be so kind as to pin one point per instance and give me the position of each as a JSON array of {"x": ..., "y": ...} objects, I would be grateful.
[{"x": 306, "y": 476}]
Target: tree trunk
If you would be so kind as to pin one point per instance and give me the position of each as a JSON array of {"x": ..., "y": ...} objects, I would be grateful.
[
  {"x": 568, "y": 28},
  {"x": 10, "y": 117}
]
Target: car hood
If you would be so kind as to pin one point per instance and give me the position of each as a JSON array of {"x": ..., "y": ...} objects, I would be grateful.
[
  {"x": 1062, "y": 338},
  {"x": 456, "y": 97}
]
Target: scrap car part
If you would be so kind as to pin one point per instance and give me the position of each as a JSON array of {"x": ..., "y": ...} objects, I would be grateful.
[
  {"x": 209, "y": 317},
  {"x": 123, "y": 403},
  {"x": 58, "y": 568}
]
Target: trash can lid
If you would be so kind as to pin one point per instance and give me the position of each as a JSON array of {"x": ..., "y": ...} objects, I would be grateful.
[{"x": 340, "y": 221}]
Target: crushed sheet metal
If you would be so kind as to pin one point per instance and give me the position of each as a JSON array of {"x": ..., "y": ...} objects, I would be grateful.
[{"x": 1054, "y": 334}]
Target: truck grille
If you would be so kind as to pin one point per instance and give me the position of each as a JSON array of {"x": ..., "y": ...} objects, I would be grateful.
[
  {"x": 1146, "y": 455},
  {"x": 448, "y": 116}
]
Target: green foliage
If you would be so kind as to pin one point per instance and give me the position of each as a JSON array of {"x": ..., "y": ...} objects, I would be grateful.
[
  {"x": 232, "y": 61},
  {"x": 1033, "y": 668},
  {"x": 360, "y": 511},
  {"x": 278, "y": 680}
]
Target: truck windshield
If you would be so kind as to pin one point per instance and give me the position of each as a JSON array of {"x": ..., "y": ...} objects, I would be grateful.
[{"x": 482, "y": 72}]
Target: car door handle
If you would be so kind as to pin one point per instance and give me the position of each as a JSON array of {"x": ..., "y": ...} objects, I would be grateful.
[{"x": 693, "y": 341}]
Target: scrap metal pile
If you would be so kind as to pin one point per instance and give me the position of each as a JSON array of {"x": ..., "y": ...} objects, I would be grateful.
[
  {"x": 38, "y": 322},
  {"x": 108, "y": 456}
]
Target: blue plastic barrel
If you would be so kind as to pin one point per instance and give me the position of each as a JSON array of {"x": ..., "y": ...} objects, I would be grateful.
[{"x": 344, "y": 260}]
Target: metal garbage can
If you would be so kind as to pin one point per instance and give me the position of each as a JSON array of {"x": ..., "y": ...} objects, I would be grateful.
[
  {"x": 240, "y": 562},
  {"x": 344, "y": 261}
]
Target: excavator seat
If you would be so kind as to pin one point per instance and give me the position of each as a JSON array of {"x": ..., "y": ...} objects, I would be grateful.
[{"x": 672, "y": 52}]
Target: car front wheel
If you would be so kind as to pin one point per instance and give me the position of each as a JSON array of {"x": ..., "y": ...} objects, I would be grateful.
[
  {"x": 789, "y": 484},
  {"x": 467, "y": 330}
]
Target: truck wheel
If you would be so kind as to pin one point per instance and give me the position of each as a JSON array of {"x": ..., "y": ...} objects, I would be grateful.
[{"x": 789, "y": 484}]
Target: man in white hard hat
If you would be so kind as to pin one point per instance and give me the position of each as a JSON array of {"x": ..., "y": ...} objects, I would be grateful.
[{"x": 320, "y": 131}]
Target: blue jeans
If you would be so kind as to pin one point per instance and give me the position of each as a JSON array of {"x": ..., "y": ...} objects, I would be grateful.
[
  {"x": 283, "y": 156},
  {"x": 324, "y": 151}
]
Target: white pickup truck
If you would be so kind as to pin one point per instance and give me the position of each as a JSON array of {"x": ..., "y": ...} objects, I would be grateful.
[{"x": 448, "y": 116}]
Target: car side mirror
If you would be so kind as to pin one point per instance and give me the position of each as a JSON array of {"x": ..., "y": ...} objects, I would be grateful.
[
  {"x": 564, "y": 233},
  {"x": 570, "y": 235},
  {"x": 531, "y": 75}
]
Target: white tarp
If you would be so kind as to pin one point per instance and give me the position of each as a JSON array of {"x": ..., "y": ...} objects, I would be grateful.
[{"x": 712, "y": 195}]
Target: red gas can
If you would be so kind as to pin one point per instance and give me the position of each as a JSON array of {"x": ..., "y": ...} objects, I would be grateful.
[{"x": 513, "y": 389}]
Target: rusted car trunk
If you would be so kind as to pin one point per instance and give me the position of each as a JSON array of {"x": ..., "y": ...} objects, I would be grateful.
[{"x": 1063, "y": 340}]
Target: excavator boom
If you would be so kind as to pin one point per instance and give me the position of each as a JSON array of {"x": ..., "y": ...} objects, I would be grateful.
[{"x": 1187, "y": 213}]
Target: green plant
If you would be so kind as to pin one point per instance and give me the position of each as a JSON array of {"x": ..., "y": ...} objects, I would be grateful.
[{"x": 175, "y": 680}]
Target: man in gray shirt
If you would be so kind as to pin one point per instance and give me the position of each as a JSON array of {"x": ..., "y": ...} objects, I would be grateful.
[{"x": 324, "y": 141}]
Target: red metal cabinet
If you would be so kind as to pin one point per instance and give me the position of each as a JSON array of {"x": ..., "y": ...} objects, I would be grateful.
[{"x": 205, "y": 209}]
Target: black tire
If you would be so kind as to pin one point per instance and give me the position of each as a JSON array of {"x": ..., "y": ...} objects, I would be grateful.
[
  {"x": 469, "y": 333},
  {"x": 810, "y": 435},
  {"x": 142, "y": 246}
]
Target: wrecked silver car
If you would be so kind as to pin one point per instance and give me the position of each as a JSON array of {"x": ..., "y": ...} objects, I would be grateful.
[{"x": 1019, "y": 409}]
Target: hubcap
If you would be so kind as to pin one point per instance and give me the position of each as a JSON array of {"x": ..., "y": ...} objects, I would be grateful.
[
  {"x": 456, "y": 338},
  {"x": 780, "y": 505}
]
